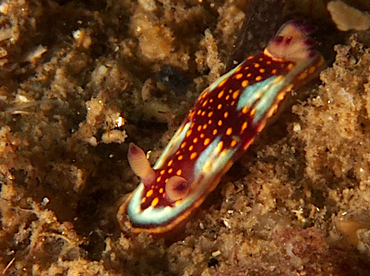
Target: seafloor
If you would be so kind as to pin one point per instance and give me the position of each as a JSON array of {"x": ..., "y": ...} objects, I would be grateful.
[{"x": 79, "y": 80}]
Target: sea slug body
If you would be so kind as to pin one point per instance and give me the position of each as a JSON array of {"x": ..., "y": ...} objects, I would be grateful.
[{"x": 222, "y": 124}]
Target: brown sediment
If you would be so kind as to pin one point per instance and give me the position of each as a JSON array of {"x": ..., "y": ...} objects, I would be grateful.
[{"x": 74, "y": 91}]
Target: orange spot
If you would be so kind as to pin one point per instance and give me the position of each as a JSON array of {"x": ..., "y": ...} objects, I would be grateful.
[
  {"x": 210, "y": 114},
  {"x": 258, "y": 78},
  {"x": 214, "y": 132},
  {"x": 262, "y": 70},
  {"x": 154, "y": 202},
  {"x": 149, "y": 193},
  {"x": 235, "y": 94},
  {"x": 195, "y": 140},
  {"x": 251, "y": 57},
  {"x": 220, "y": 146},
  {"x": 253, "y": 111},
  {"x": 203, "y": 113},
  {"x": 245, "y": 109},
  {"x": 180, "y": 157},
  {"x": 199, "y": 128},
  {"x": 249, "y": 75},
  {"x": 191, "y": 148},
  {"x": 193, "y": 155},
  {"x": 311, "y": 69},
  {"x": 210, "y": 122},
  {"x": 143, "y": 200},
  {"x": 238, "y": 76},
  {"x": 244, "y": 83},
  {"x": 219, "y": 106},
  {"x": 161, "y": 190},
  {"x": 170, "y": 163},
  {"x": 246, "y": 68},
  {"x": 302, "y": 76},
  {"x": 177, "y": 152},
  {"x": 199, "y": 111},
  {"x": 260, "y": 59},
  {"x": 170, "y": 170},
  {"x": 233, "y": 143},
  {"x": 290, "y": 66},
  {"x": 206, "y": 141},
  {"x": 220, "y": 94},
  {"x": 268, "y": 62},
  {"x": 162, "y": 172},
  {"x": 227, "y": 97},
  {"x": 202, "y": 135},
  {"x": 244, "y": 126},
  {"x": 256, "y": 65},
  {"x": 179, "y": 172},
  {"x": 232, "y": 103},
  {"x": 229, "y": 131},
  {"x": 204, "y": 126},
  {"x": 205, "y": 103},
  {"x": 274, "y": 71},
  {"x": 226, "y": 114},
  {"x": 159, "y": 178},
  {"x": 188, "y": 133},
  {"x": 183, "y": 145},
  {"x": 219, "y": 122},
  {"x": 222, "y": 82}
]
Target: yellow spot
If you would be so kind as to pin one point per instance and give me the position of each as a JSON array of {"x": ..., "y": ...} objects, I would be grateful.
[
  {"x": 206, "y": 141},
  {"x": 244, "y": 126},
  {"x": 203, "y": 113},
  {"x": 170, "y": 163},
  {"x": 256, "y": 65},
  {"x": 290, "y": 66},
  {"x": 226, "y": 114},
  {"x": 245, "y": 109},
  {"x": 195, "y": 140},
  {"x": 244, "y": 83},
  {"x": 191, "y": 148},
  {"x": 233, "y": 143},
  {"x": 249, "y": 75},
  {"x": 214, "y": 132},
  {"x": 227, "y": 97},
  {"x": 235, "y": 94},
  {"x": 262, "y": 70},
  {"x": 204, "y": 126},
  {"x": 220, "y": 94},
  {"x": 207, "y": 166},
  {"x": 222, "y": 82},
  {"x": 274, "y": 71},
  {"x": 193, "y": 155},
  {"x": 162, "y": 172},
  {"x": 170, "y": 170},
  {"x": 202, "y": 135},
  {"x": 154, "y": 202},
  {"x": 149, "y": 193},
  {"x": 210, "y": 122},
  {"x": 180, "y": 157},
  {"x": 199, "y": 111},
  {"x": 253, "y": 111},
  {"x": 179, "y": 172},
  {"x": 161, "y": 190},
  {"x": 205, "y": 103},
  {"x": 229, "y": 131},
  {"x": 238, "y": 69},
  {"x": 183, "y": 145},
  {"x": 219, "y": 106},
  {"x": 199, "y": 128},
  {"x": 166, "y": 180},
  {"x": 159, "y": 178},
  {"x": 220, "y": 146},
  {"x": 258, "y": 78},
  {"x": 224, "y": 152},
  {"x": 188, "y": 133},
  {"x": 210, "y": 114},
  {"x": 239, "y": 76},
  {"x": 219, "y": 122}
]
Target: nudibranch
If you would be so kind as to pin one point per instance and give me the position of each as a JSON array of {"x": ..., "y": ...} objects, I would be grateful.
[{"x": 224, "y": 121}]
